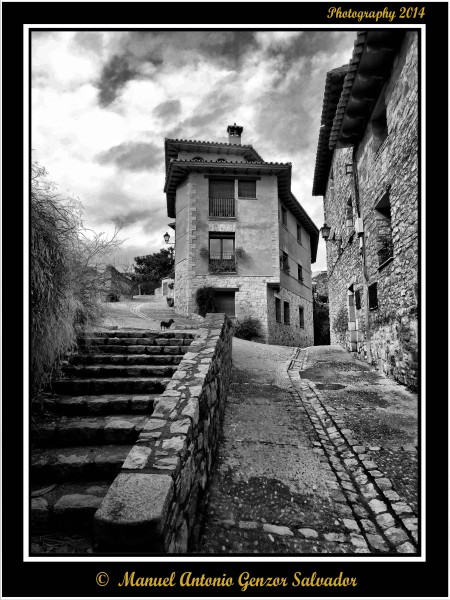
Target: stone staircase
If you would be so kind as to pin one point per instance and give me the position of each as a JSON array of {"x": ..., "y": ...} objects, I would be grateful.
[{"x": 91, "y": 419}]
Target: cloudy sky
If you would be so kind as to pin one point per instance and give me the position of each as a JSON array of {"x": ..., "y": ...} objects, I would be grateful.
[{"x": 103, "y": 102}]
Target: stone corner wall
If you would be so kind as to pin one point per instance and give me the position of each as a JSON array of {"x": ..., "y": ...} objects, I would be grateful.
[{"x": 153, "y": 503}]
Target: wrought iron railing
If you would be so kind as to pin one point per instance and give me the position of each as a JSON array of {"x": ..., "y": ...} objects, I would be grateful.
[
  {"x": 224, "y": 262},
  {"x": 222, "y": 207}
]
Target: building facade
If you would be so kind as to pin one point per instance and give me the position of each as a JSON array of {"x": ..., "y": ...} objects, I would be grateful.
[
  {"x": 239, "y": 229},
  {"x": 367, "y": 172}
]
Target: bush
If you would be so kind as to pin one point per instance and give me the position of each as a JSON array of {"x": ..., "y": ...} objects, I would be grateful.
[
  {"x": 247, "y": 329},
  {"x": 340, "y": 324},
  {"x": 66, "y": 286},
  {"x": 170, "y": 286},
  {"x": 206, "y": 300}
]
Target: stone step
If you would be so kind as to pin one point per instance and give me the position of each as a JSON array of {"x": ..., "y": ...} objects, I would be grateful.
[
  {"x": 139, "y": 349},
  {"x": 137, "y": 341},
  {"x": 95, "y": 430},
  {"x": 120, "y": 333},
  {"x": 109, "y": 370},
  {"x": 67, "y": 506},
  {"x": 112, "y": 385},
  {"x": 106, "y": 404},
  {"x": 127, "y": 359},
  {"x": 82, "y": 463}
]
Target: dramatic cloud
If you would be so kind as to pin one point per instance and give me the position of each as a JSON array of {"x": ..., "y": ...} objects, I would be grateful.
[
  {"x": 133, "y": 156},
  {"x": 115, "y": 74},
  {"x": 168, "y": 109},
  {"x": 103, "y": 102}
]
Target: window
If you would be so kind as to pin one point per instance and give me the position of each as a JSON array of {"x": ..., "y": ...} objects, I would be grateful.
[
  {"x": 287, "y": 317},
  {"x": 301, "y": 316},
  {"x": 373, "y": 296},
  {"x": 246, "y": 189},
  {"x": 379, "y": 123},
  {"x": 284, "y": 262},
  {"x": 358, "y": 299},
  {"x": 283, "y": 216},
  {"x": 278, "y": 310},
  {"x": 221, "y": 198},
  {"x": 349, "y": 217},
  {"x": 300, "y": 272},
  {"x": 221, "y": 253},
  {"x": 384, "y": 229},
  {"x": 299, "y": 234}
]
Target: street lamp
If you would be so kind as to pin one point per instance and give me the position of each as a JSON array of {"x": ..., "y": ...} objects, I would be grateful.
[
  {"x": 325, "y": 231},
  {"x": 167, "y": 238}
]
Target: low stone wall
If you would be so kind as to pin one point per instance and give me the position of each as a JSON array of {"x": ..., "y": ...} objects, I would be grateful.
[{"x": 153, "y": 503}]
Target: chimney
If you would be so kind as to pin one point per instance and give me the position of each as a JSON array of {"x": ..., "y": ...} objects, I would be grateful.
[{"x": 234, "y": 134}]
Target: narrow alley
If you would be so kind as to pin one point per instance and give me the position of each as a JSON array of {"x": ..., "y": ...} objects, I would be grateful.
[{"x": 318, "y": 455}]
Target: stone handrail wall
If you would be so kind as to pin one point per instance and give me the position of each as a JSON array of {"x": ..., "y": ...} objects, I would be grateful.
[{"x": 152, "y": 504}]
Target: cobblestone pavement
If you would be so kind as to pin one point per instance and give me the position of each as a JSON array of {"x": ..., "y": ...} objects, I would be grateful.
[{"x": 318, "y": 455}]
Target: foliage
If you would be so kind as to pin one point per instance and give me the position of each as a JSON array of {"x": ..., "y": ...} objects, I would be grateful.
[
  {"x": 206, "y": 300},
  {"x": 150, "y": 269},
  {"x": 247, "y": 329},
  {"x": 227, "y": 265},
  {"x": 170, "y": 286},
  {"x": 65, "y": 279},
  {"x": 170, "y": 301},
  {"x": 204, "y": 252},
  {"x": 340, "y": 324},
  {"x": 321, "y": 320},
  {"x": 239, "y": 252},
  {"x": 112, "y": 297}
]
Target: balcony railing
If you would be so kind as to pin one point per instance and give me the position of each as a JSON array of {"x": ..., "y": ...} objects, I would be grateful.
[
  {"x": 222, "y": 263},
  {"x": 222, "y": 207}
]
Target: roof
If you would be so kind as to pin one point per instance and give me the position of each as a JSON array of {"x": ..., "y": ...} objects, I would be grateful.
[
  {"x": 370, "y": 66},
  {"x": 173, "y": 146},
  {"x": 252, "y": 164},
  {"x": 324, "y": 156}
]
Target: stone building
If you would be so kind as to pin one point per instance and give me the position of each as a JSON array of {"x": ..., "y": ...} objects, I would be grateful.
[
  {"x": 239, "y": 229},
  {"x": 367, "y": 172}
]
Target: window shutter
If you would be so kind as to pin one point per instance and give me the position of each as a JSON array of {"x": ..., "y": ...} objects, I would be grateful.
[
  {"x": 221, "y": 188},
  {"x": 247, "y": 189}
]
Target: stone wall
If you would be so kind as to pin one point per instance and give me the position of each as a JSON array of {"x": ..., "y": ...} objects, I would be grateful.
[
  {"x": 386, "y": 335},
  {"x": 152, "y": 505}
]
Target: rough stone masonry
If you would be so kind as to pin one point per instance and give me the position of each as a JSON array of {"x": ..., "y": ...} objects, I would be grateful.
[{"x": 153, "y": 503}]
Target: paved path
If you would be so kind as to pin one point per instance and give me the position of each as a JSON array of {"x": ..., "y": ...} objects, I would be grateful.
[
  {"x": 318, "y": 455},
  {"x": 143, "y": 314}
]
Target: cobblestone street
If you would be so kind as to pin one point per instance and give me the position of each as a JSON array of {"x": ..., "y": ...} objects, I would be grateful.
[{"x": 318, "y": 455}]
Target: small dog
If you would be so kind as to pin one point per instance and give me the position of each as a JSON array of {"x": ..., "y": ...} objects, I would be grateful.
[{"x": 167, "y": 324}]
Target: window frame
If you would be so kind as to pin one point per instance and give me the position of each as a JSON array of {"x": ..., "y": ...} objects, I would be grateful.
[
  {"x": 299, "y": 231},
  {"x": 278, "y": 310},
  {"x": 284, "y": 216},
  {"x": 239, "y": 181},
  {"x": 373, "y": 297},
  {"x": 301, "y": 317},
  {"x": 300, "y": 273},
  {"x": 286, "y": 313}
]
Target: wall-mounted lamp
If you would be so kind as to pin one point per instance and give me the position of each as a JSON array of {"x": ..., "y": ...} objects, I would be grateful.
[
  {"x": 167, "y": 238},
  {"x": 325, "y": 231}
]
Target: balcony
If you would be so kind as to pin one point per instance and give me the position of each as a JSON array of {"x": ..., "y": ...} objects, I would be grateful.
[
  {"x": 222, "y": 208},
  {"x": 222, "y": 263}
]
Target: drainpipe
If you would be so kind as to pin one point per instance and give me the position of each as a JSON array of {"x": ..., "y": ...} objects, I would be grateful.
[{"x": 363, "y": 253}]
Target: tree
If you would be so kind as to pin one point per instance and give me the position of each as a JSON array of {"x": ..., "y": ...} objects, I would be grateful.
[{"x": 150, "y": 269}]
